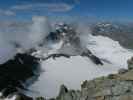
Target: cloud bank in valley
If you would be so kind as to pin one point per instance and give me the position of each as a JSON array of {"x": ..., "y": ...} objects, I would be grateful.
[{"x": 27, "y": 37}]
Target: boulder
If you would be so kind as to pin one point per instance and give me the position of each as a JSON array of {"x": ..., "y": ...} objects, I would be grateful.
[
  {"x": 130, "y": 63},
  {"x": 122, "y": 71}
]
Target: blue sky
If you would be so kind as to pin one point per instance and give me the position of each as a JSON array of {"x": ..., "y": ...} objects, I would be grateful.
[{"x": 97, "y": 9}]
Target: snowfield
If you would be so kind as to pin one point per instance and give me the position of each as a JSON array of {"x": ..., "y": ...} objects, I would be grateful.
[{"x": 110, "y": 50}]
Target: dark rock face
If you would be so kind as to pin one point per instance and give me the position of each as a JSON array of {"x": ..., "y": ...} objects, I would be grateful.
[
  {"x": 16, "y": 71},
  {"x": 40, "y": 98},
  {"x": 53, "y": 36},
  {"x": 22, "y": 97},
  {"x": 130, "y": 63},
  {"x": 94, "y": 58}
]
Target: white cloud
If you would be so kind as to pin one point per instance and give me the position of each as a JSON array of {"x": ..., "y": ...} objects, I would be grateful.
[
  {"x": 22, "y": 7},
  {"x": 54, "y": 7},
  {"x": 7, "y": 12}
]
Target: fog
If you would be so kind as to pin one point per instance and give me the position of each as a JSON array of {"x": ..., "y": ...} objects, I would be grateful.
[{"x": 26, "y": 35}]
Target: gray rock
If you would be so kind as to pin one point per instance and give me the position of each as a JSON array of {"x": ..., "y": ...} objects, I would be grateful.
[
  {"x": 40, "y": 98},
  {"x": 130, "y": 63},
  {"x": 122, "y": 71},
  {"x": 122, "y": 88}
]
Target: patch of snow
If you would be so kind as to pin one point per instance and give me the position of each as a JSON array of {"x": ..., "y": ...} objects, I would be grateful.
[
  {"x": 1, "y": 94},
  {"x": 11, "y": 98}
]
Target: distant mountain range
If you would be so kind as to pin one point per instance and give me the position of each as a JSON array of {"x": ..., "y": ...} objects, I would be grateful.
[{"x": 121, "y": 32}]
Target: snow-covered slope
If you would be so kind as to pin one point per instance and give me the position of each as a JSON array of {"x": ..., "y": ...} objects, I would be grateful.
[{"x": 109, "y": 50}]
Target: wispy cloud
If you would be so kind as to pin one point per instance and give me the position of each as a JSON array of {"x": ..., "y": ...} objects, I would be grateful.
[
  {"x": 7, "y": 12},
  {"x": 54, "y": 7},
  {"x": 38, "y": 7}
]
